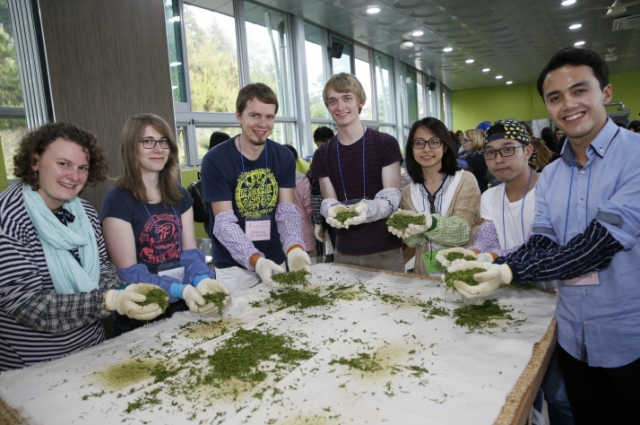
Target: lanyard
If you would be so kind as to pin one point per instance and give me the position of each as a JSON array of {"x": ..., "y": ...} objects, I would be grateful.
[
  {"x": 524, "y": 197},
  {"x": 244, "y": 174},
  {"x": 364, "y": 174},
  {"x": 155, "y": 227}
]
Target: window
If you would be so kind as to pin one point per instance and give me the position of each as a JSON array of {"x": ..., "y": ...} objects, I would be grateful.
[
  {"x": 13, "y": 124},
  {"x": 384, "y": 92},
  {"x": 212, "y": 56},
  {"x": 174, "y": 38},
  {"x": 363, "y": 73},
  {"x": 344, "y": 62},
  {"x": 412, "y": 95},
  {"x": 315, "y": 52}
]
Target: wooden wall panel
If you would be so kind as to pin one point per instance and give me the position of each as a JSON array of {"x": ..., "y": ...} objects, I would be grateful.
[{"x": 106, "y": 60}]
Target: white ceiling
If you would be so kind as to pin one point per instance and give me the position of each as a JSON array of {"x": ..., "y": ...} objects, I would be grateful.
[{"x": 515, "y": 38}]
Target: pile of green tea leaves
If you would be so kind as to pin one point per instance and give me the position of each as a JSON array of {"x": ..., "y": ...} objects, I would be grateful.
[
  {"x": 364, "y": 362},
  {"x": 452, "y": 256},
  {"x": 343, "y": 216},
  {"x": 292, "y": 278},
  {"x": 298, "y": 298},
  {"x": 156, "y": 296},
  {"x": 476, "y": 317},
  {"x": 401, "y": 221},
  {"x": 243, "y": 356},
  {"x": 216, "y": 298},
  {"x": 465, "y": 276}
]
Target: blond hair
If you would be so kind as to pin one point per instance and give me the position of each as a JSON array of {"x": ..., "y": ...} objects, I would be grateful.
[{"x": 477, "y": 139}]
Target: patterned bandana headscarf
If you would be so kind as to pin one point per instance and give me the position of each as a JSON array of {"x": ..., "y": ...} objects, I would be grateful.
[{"x": 512, "y": 130}]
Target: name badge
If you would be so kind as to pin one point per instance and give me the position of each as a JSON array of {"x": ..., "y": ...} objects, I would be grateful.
[
  {"x": 584, "y": 280},
  {"x": 431, "y": 263},
  {"x": 258, "y": 229},
  {"x": 171, "y": 269}
]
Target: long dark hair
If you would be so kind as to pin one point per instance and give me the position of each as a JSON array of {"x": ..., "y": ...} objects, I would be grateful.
[{"x": 449, "y": 162}]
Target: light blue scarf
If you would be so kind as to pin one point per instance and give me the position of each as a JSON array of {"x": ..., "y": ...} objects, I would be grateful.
[{"x": 57, "y": 239}]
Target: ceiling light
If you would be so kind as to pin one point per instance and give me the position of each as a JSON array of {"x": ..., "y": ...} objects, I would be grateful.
[
  {"x": 568, "y": 2},
  {"x": 417, "y": 33},
  {"x": 509, "y": 82},
  {"x": 486, "y": 70},
  {"x": 447, "y": 49},
  {"x": 407, "y": 45},
  {"x": 469, "y": 61},
  {"x": 579, "y": 43},
  {"x": 372, "y": 10},
  {"x": 575, "y": 26},
  {"x": 498, "y": 77}
]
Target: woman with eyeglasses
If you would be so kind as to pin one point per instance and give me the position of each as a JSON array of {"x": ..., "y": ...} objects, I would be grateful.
[
  {"x": 471, "y": 158},
  {"x": 447, "y": 197},
  {"x": 147, "y": 220}
]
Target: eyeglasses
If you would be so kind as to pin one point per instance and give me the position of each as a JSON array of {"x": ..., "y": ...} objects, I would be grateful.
[
  {"x": 421, "y": 143},
  {"x": 151, "y": 143},
  {"x": 504, "y": 152}
]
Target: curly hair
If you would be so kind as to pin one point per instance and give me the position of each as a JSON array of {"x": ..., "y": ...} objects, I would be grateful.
[{"x": 37, "y": 141}]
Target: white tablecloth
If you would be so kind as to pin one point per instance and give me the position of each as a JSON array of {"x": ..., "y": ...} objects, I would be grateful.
[{"x": 469, "y": 374}]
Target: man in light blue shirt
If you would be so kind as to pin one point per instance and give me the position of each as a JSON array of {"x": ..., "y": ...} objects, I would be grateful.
[{"x": 586, "y": 233}]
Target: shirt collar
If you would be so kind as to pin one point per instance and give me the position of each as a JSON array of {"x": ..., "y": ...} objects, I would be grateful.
[{"x": 598, "y": 146}]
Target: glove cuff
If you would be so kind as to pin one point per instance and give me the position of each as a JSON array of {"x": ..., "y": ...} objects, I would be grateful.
[
  {"x": 177, "y": 289},
  {"x": 253, "y": 260},
  {"x": 292, "y": 247},
  {"x": 110, "y": 299},
  {"x": 507, "y": 274},
  {"x": 199, "y": 279}
]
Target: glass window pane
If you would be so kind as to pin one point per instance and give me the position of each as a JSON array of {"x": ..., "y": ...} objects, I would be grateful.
[
  {"x": 363, "y": 73},
  {"x": 174, "y": 38},
  {"x": 11, "y": 132},
  {"x": 382, "y": 65},
  {"x": 203, "y": 137},
  {"x": 343, "y": 63},
  {"x": 420, "y": 89},
  {"x": 269, "y": 47},
  {"x": 181, "y": 140},
  {"x": 10, "y": 89},
  {"x": 412, "y": 95},
  {"x": 316, "y": 75},
  {"x": 211, "y": 48}
]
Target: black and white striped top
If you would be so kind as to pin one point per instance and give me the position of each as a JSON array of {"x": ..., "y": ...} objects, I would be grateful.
[{"x": 37, "y": 323}]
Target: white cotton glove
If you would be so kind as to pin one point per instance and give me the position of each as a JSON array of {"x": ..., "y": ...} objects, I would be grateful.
[
  {"x": 398, "y": 232},
  {"x": 318, "y": 231},
  {"x": 193, "y": 299},
  {"x": 331, "y": 216},
  {"x": 441, "y": 256},
  {"x": 265, "y": 269},
  {"x": 485, "y": 257},
  {"x": 416, "y": 229},
  {"x": 211, "y": 286},
  {"x": 495, "y": 275},
  {"x": 361, "y": 208},
  {"x": 298, "y": 260},
  {"x": 126, "y": 302}
]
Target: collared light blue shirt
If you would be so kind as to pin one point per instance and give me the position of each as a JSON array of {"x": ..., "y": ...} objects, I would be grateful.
[{"x": 597, "y": 324}]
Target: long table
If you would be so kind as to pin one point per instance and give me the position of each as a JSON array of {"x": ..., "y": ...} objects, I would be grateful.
[{"x": 386, "y": 349}]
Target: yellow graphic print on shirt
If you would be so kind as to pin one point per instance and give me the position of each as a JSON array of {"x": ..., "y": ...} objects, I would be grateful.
[{"x": 256, "y": 192}]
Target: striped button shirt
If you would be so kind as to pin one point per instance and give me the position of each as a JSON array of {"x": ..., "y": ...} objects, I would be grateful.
[{"x": 37, "y": 323}]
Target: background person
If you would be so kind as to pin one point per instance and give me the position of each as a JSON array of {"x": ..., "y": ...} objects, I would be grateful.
[
  {"x": 303, "y": 205},
  {"x": 57, "y": 282},
  {"x": 471, "y": 158},
  {"x": 448, "y": 198},
  {"x": 148, "y": 222}
]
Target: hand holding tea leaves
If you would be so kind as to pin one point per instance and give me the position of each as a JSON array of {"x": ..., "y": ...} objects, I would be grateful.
[
  {"x": 488, "y": 281},
  {"x": 444, "y": 256},
  {"x": 337, "y": 216},
  {"x": 399, "y": 221},
  {"x": 361, "y": 209},
  {"x": 126, "y": 302},
  {"x": 212, "y": 286}
]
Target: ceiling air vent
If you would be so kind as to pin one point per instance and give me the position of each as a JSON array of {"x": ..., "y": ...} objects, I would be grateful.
[{"x": 626, "y": 23}]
